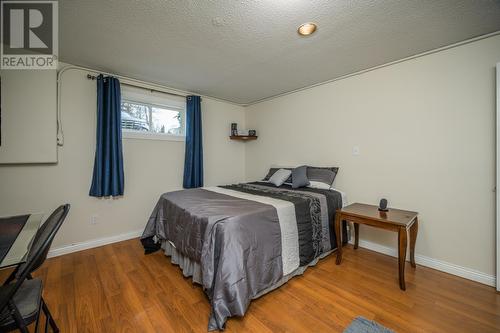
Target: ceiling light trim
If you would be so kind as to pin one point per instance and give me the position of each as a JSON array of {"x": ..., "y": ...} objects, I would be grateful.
[{"x": 307, "y": 29}]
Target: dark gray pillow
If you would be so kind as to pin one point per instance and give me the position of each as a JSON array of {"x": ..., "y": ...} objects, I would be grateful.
[
  {"x": 324, "y": 175},
  {"x": 273, "y": 170},
  {"x": 299, "y": 177}
]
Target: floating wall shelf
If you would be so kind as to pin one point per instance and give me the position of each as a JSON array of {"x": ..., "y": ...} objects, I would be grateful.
[{"x": 243, "y": 137}]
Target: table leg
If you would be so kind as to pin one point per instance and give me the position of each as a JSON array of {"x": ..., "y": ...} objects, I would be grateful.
[
  {"x": 413, "y": 240},
  {"x": 356, "y": 235},
  {"x": 402, "y": 237},
  {"x": 338, "y": 234}
]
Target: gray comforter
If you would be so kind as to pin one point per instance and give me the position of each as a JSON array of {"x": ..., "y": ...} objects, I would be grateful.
[{"x": 246, "y": 237}]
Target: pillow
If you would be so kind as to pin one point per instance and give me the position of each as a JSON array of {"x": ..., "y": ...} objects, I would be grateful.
[
  {"x": 299, "y": 177},
  {"x": 279, "y": 177},
  {"x": 319, "y": 185},
  {"x": 322, "y": 175},
  {"x": 273, "y": 170}
]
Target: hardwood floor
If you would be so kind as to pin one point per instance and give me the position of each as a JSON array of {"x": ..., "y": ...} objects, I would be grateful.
[{"x": 116, "y": 288}]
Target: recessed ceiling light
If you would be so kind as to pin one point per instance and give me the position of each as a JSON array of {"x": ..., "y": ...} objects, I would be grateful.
[{"x": 307, "y": 29}]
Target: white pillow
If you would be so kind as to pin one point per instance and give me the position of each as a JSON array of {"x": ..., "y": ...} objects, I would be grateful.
[
  {"x": 319, "y": 185},
  {"x": 280, "y": 176}
]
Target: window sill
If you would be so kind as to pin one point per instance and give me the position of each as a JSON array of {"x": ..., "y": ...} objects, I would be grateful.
[{"x": 151, "y": 136}]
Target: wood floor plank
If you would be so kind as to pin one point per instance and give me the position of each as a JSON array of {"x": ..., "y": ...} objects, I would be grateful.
[{"x": 116, "y": 288}]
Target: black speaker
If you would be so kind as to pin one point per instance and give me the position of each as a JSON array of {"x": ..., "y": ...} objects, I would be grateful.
[{"x": 382, "y": 206}]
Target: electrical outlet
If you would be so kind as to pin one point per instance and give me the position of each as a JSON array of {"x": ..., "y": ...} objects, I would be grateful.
[{"x": 94, "y": 219}]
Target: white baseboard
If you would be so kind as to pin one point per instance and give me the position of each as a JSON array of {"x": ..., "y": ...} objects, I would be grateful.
[
  {"x": 439, "y": 265},
  {"x": 443, "y": 266},
  {"x": 59, "y": 251}
]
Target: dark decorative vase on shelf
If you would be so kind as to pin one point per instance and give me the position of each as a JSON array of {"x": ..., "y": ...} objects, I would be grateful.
[
  {"x": 383, "y": 205},
  {"x": 234, "y": 129}
]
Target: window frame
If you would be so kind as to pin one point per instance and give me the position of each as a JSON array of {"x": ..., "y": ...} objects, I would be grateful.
[{"x": 146, "y": 135}]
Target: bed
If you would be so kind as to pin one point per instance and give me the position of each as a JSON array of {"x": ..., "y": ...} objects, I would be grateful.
[{"x": 241, "y": 241}]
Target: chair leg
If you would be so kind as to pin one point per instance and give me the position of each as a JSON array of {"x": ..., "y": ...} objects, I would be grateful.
[
  {"x": 18, "y": 318},
  {"x": 51, "y": 320},
  {"x": 46, "y": 324},
  {"x": 38, "y": 316}
]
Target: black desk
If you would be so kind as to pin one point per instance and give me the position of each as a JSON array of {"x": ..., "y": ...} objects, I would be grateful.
[{"x": 16, "y": 237}]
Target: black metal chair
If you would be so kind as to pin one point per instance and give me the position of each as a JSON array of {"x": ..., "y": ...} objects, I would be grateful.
[{"x": 21, "y": 298}]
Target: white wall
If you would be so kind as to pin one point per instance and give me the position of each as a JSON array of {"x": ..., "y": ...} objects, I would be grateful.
[
  {"x": 28, "y": 116},
  {"x": 151, "y": 168},
  {"x": 425, "y": 128}
]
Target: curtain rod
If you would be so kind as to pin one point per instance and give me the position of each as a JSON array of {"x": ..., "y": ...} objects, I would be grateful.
[{"x": 93, "y": 77}]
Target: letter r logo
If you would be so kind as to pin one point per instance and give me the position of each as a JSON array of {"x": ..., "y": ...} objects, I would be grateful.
[
  {"x": 29, "y": 34},
  {"x": 27, "y": 27}
]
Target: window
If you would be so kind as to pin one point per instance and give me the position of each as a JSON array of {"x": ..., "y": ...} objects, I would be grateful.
[{"x": 152, "y": 120}]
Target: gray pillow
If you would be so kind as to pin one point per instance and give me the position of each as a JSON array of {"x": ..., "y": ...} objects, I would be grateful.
[
  {"x": 324, "y": 175},
  {"x": 279, "y": 177},
  {"x": 299, "y": 177},
  {"x": 273, "y": 170}
]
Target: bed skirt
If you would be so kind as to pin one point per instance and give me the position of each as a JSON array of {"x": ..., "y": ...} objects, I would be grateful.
[
  {"x": 192, "y": 268},
  {"x": 189, "y": 267}
]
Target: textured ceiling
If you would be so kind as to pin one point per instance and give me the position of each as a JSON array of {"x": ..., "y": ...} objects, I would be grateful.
[{"x": 247, "y": 50}]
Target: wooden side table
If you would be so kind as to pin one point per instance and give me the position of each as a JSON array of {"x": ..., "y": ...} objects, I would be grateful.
[{"x": 400, "y": 221}]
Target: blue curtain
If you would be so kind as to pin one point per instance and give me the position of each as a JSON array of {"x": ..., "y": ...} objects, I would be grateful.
[
  {"x": 108, "y": 179},
  {"x": 193, "y": 162}
]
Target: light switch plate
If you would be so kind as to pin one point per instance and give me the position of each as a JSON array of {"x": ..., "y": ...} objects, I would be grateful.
[{"x": 355, "y": 150}]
